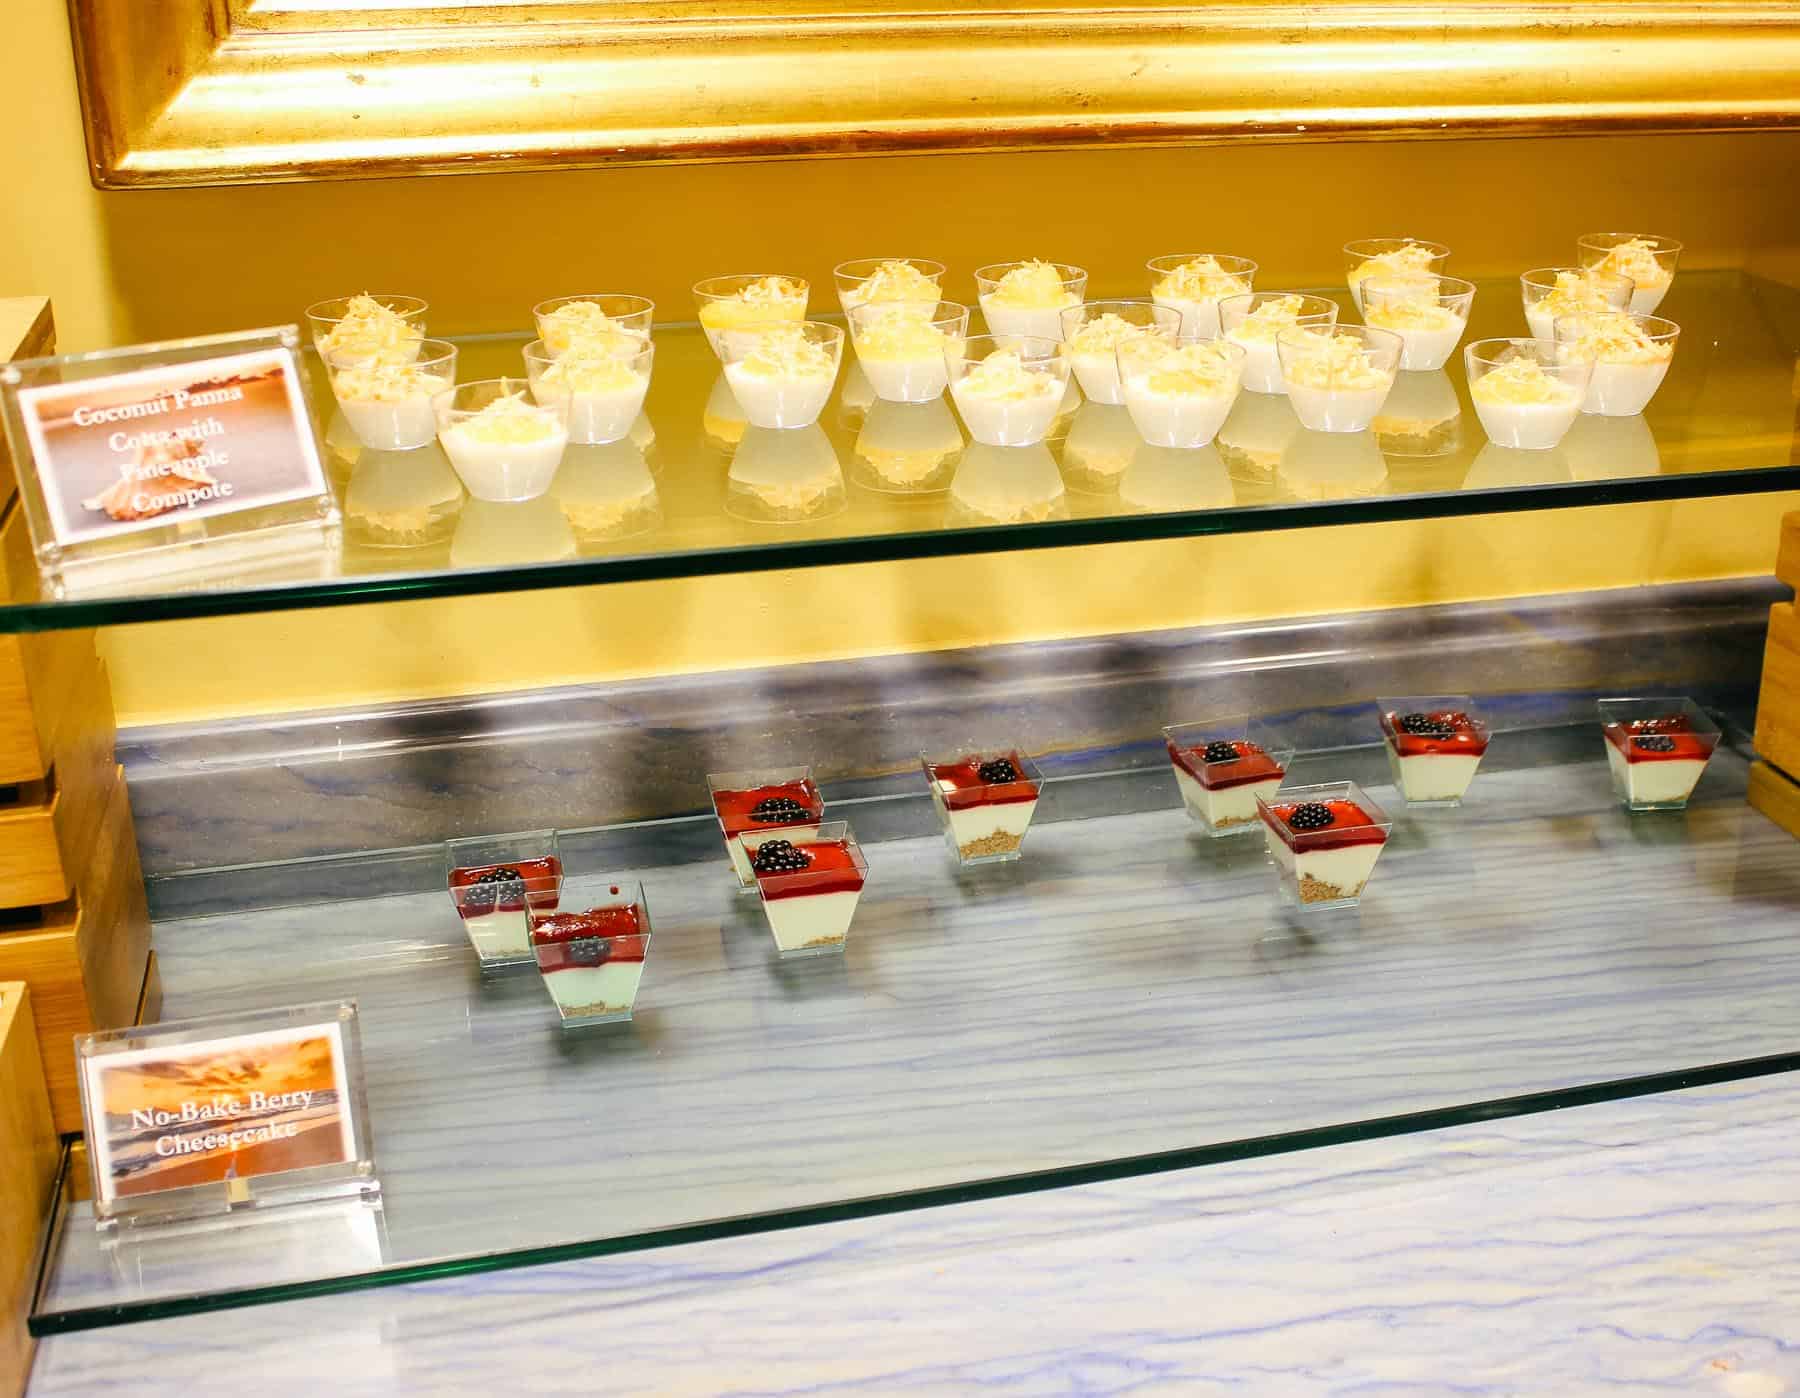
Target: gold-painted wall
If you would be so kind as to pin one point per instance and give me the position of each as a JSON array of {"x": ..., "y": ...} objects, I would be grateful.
[{"x": 137, "y": 265}]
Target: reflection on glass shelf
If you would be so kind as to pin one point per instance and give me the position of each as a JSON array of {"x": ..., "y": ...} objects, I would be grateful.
[
  {"x": 1176, "y": 478},
  {"x": 877, "y": 480},
  {"x": 1508, "y": 468}
]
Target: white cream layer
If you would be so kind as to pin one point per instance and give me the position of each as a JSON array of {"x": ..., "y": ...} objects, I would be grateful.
[
  {"x": 1345, "y": 867},
  {"x": 503, "y": 471},
  {"x": 811, "y": 921},
  {"x": 1224, "y": 808},
  {"x": 609, "y": 988},
  {"x": 503, "y": 933},
  {"x": 1652, "y": 783},
  {"x": 401, "y": 426},
  {"x": 1528, "y": 426},
  {"x": 1619, "y": 390},
  {"x": 1436, "y": 776},
  {"x": 779, "y": 402},
  {"x": 1336, "y": 409}
]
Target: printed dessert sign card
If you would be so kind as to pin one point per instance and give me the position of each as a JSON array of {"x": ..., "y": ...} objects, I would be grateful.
[{"x": 221, "y": 1110}]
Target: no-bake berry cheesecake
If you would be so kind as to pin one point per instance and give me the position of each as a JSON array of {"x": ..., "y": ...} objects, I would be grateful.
[
  {"x": 1656, "y": 750},
  {"x": 1324, "y": 840},
  {"x": 778, "y": 798},
  {"x": 1223, "y": 766},
  {"x": 1434, "y": 746},
  {"x": 496, "y": 901},
  {"x": 592, "y": 962},
  {"x": 985, "y": 798},
  {"x": 809, "y": 880}
]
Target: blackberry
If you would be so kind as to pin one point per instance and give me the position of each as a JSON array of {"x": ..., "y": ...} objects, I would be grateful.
[
  {"x": 502, "y": 875},
  {"x": 1659, "y": 725},
  {"x": 1310, "y": 815},
  {"x": 1221, "y": 752},
  {"x": 484, "y": 893},
  {"x": 998, "y": 772},
  {"x": 779, "y": 857},
  {"x": 779, "y": 810},
  {"x": 1655, "y": 743},
  {"x": 1426, "y": 726}
]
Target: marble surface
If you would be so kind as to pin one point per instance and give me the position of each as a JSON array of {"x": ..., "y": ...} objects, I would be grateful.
[
  {"x": 1128, "y": 987},
  {"x": 1644, "y": 1246}
]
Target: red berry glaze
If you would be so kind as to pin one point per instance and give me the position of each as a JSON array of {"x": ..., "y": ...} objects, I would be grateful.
[
  {"x": 1685, "y": 744},
  {"x": 969, "y": 790},
  {"x": 830, "y": 868},
  {"x": 734, "y": 807},
  {"x": 575, "y": 941},
  {"x": 1350, "y": 825},
  {"x": 537, "y": 882},
  {"x": 1253, "y": 765},
  {"x": 1466, "y": 738}
]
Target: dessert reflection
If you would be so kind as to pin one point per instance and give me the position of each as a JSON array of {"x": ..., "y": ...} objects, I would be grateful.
[
  {"x": 1496, "y": 468},
  {"x": 856, "y": 397},
  {"x": 784, "y": 476},
  {"x": 606, "y": 492},
  {"x": 907, "y": 448},
  {"x": 1159, "y": 479},
  {"x": 1608, "y": 448},
  {"x": 1006, "y": 485},
  {"x": 502, "y": 533},
  {"x": 1332, "y": 465},
  {"x": 722, "y": 420},
  {"x": 1101, "y": 442},
  {"x": 1254, "y": 435},
  {"x": 1422, "y": 416},
  {"x": 402, "y": 499}
]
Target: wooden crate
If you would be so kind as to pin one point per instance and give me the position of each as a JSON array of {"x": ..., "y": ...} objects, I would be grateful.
[
  {"x": 86, "y": 958},
  {"x": 1778, "y": 706},
  {"x": 1776, "y": 795},
  {"x": 47, "y": 826},
  {"x": 28, "y": 1156},
  {"x": 40, "y": 673},
  {"x": 27, "y": 331},
  {"x": 1787, "y": 556}
]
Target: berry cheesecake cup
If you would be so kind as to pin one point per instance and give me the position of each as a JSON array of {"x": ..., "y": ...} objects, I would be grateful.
[
  {"x": 1527, "y": 393},
  {"x": 381, "y": 328},
  {"x": 1429, "y": 320},
  {"x": 1631, "y": 355},
  {"x": 1094, "y": 331},
  {"x": 1253, "y": 322},
  {"x": 1644, "y": 259},
  {"x": 1657, "y": 750},
  {"x": 901, "y": 346},
  {"x": 1008, "y": 389},
  {"x": 1193, "y": 283},
  {"x": 1434, "y": 744},
  {"x": 1337, "y": 376},
  {"x": 496, "y": 883},
  {"x": 1028, "y": 298},
  {"x": 1223, "y": 766},
  {"x": 388, "y": 404},
  {"x": 592, "y": 962},
  {"x": 1394, "y": 260},
  {"x": 1324, "y": 841},
  {"x": 985, "y": 798},
  {"x": 596, "y": 324},
  {"x": 810, "y": 881},
  {"x": 865, "y": 281},
  {"x": 783, "y": 799},
  {"x": 1550, "y": 293}
]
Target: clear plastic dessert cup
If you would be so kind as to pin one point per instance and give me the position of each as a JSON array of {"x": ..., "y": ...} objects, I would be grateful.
[
  {"x": 1434, "y": 744},
  {"x": 782, "y": 373},
  {"x": 1223, "y": 765},
  {"x": 1193, "y": 284},
  {"x": 602, "y": 392},
  {"x": 1408, "y": 259},
  {"x": 782, "y": 799},
  {"x": 1430, "y": 323},
  {"x": 1647, "y": 259},
  {"x": 1008, "y": 389},
  {"x": 1028, "y": 298},
  {"x": 743, "y": 301},
  {"x": 1180, "y": 395},
  {"x": 1631, "y": 355},
  {"x": 1255, "y": 320},
  {"x": 389, "y": 405},
  {"x": 597, "y": 322},
  {"x": 1093, "y": 332},
  {"x": 334, "y": 325},
  {"x": 985, "y": 798},
  {"x": 1526, "y": 392},
  {"x": 1656, "y": 749},
  {"x": 592, "y": 961},
  {"x": 809, "y": 881},
  {"x": 901, "y": 346},
  {"x": 1550, "y": 292},
  {"x": 1324, "y": 841},
  {"x": 1338, "y": 376},
  {"x": 503, "y": 446},
  {"x": 872, "y": 280},
  {"x": 495, "y": 883}
]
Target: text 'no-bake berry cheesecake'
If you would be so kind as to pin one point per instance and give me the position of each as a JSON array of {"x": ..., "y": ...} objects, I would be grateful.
[
  {"x": 778, "y": 798},
  {"x": 1434, "y": 745},
  {"x": 1324, "y": 840},
  {"x": 810, "y": 881},
  {"x": 1656, "y": 750},
  {"x": 1223, "y": 766},
  {"x": 496, "y": 901},
  {"x": 592, "y": 962},
  {"x": 985, "y": 799}
]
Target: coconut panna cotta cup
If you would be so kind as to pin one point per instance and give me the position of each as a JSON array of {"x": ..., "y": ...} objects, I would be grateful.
[
  {"x": 1253, "y": 321},
  {"x": 810, "y": 883},
  {"x": 1028, "y": 298},
  {"x": 985, "y": 798},
  {"x": 1413, "y": 260},
  {"x": 1008, "y": 388},
  {"x": 731, "y": 305},
  {"x": 1631, "y": 355},
  {"x": 1526, "y": 392},
  {"x": 1180, "y": 395},
  {"x": 866, "y": 281},
  {"x": 1338, "y": 376},
  {"x": 1193, "y": 284},
  {"x": 782, "y": 374},
  {"x": 1223, "y": 766},
  {"x": 1646, "y": 260},
  {"x": 368, "y": 326},
  {"x": 503, "y": 446},
  {"x": 592, "y": 962},
  {"x": 603, "y": 391},
  {"x": 1656, "y": 750},
  {"x": 1550, "y": 293},
  {"x": 1093, "y": 332},
  {"x": 1324, "y": 841},
  {"x": 388, "y": 403},
  {"x": 1429, "y": 321},
  {"x": 901, "y": 346},
  {"x": 594, "y": 323},
  {"x": 1434, "y": 744}
]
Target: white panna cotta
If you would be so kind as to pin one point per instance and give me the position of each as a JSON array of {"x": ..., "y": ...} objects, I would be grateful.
[
  {"x": 1094, "y": 353},
  {"x": 1325, "y": 875},
  {"x": 784, "y": 380},
  {"x": 1521, "y": 405},
  {"x": 1411, "y": 265},
  {"x": 1005, "y": 403},
  {"x": 1333, "y": 381},
  {"x": 371, "y": 332},
  {"x": 1194, "y": 288},
  {"x": 509, "y": 450},
  {"x": 1572, "y": 292},
  {"x": 1429, "y": 331},
  {"x": 902, "y": 353},
  {"x": 757, "y": 303},
  {"x": 1653, "y": 783},
  {"x": 584, "y": 328},
  {"x": 1629, "y": 362},
  {"x": 893, "y": 280},
  {"x": 388, "y": 405},
  {"x": 1636, "y": 260},
  {"x": 1029, "y": 300},
  {"x": 1256, "y": 334},
  {"x": 605, "y": 393},
  {"x": 1182, "y": 397}
]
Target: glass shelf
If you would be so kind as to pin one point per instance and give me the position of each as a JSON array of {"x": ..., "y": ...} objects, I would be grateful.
[
  {"x": 1129, "y": 997},
  {"x": 689, "y": 493}
]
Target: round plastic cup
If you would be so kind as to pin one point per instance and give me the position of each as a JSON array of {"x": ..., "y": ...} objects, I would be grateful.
[
  {"x": 1199, "y": 317},
  {"x": 390, "y": 408},
  {"x": 632, "y": 314},
  {"x": 1622, "y": 387},
  {"x": 496, "y": 468},
  {"x": 1096, "y": 368},
  {"x": 1651, "y": 269},
  {"x": 1366, "y": 257},
  {"x": 604, "y": 393},
  {"x": 723, "y": 309},
  {"x": 1262, "y": 365},
  {"x": 1008, "y": 419},
  {"x": 1529, "y": 425},
  {"x": 1335, "y": 391},
  {"x": 1427, "y": 342},
  {"x": 899, "y": 370},
  {"x": 780, "y": 400},
  {"x": 852, "y": 276},
  {"x": 1037, "y": 322},
  {"x": 325, "y": 316}
]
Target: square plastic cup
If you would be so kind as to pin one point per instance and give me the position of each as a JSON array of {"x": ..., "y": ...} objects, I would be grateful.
[
  {"x": 598, "y": 322},
  {"x": 1008, "y": 389},
  {"x": 1647, "y": 259},
  {"x": 1256, "y": 319},
  {"x": 1028, "y": 298},
  {"x": 503, "y": 446},
  {"x": 985, "y": 798},
  {"x": 810, "y": 882},
  {"x": 495, "y": 882},
  {"x": 901, "y": 346},
  {"x": 873, "y": 280},
  {"x": 1631, "y": 355},
  {"x": 592, "y": 961},
  {"x": 1093, "y": 332},
  {"x": 1526, "y": 392},
  {"x": 1434, "y": 744},
  {"x": 782, "y": 373},
  {"x": 334, "y": 327},
  {"x": 746, "y": 300},
  {"x": 1338, "y": 376},
  {"x": 1324, "y": 840},
  {"x": 1193, "y": 284},
  {"x": 762, "y": 799},
  {"x": 603, "y": 393},
  {"x": 389, "y": 405},
  {"x": 1550, "y": 292},
  {"x": 1430, "y": 323},
  {"x": 1223, "y": 765},
  {"x": 1180, "y": 395},
  {"x": 1657, "y": 749},
  {"x": 1393, "y": 259}
]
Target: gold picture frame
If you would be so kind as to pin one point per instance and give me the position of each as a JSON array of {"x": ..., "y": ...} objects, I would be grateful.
[{"x": 183, "y": 92}]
